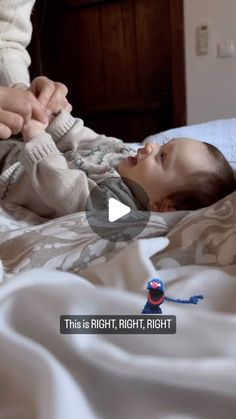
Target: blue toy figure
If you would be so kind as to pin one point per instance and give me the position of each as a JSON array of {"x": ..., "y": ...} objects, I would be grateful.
[{"x": 156, "y": 291}]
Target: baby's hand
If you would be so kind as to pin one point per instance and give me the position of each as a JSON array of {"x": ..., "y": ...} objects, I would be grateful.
[{"x": 32, "y": 128}]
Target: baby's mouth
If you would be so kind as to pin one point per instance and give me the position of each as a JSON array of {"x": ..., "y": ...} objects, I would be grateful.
[{"x": 132, "y": 160}]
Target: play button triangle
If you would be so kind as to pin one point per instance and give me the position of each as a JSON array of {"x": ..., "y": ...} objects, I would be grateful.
[
  {"x": 116, "y": 210},
  {"x": 109, "y": 217}
]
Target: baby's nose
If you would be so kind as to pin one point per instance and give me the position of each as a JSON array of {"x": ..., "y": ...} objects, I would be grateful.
[
  {"x": 146, "y": 149},
  {"x": 149, "y": 148},
  {"x": 142, "y": 150}
]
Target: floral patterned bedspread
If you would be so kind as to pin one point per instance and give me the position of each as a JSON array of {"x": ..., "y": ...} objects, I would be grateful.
[{"x": 203, "y": 237}]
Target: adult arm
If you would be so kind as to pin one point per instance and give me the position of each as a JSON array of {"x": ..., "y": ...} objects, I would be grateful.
[
  {"x": 15, "y": 36},
  {"x": 16, "y": 105}
]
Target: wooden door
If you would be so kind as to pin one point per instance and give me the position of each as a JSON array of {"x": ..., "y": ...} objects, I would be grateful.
[{"x": 123, "y": 62}]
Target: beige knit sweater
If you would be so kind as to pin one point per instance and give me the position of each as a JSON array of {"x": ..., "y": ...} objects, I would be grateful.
[
  {"x": 54, "y": 173},
  {"x": 15, "y": 35}
]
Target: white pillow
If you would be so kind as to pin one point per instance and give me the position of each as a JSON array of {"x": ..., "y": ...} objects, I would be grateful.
[{"x": 221, "y": 133}]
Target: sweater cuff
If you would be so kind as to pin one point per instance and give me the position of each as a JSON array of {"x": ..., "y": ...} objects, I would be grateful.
[
  {"x": 61, "y": 125},
  {"x": 14, "y": 69},
  {"x": 37, "y": 149}
]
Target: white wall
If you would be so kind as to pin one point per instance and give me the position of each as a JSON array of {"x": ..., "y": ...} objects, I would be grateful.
[{"x": 210, "y": 81}]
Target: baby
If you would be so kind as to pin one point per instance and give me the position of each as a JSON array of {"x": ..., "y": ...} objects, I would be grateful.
[{"x": 54, "y": 169}]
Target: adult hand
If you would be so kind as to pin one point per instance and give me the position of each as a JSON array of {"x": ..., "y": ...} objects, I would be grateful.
[
  {"x": 16, "y": 107},
  {"x": 50, "y": 94}
]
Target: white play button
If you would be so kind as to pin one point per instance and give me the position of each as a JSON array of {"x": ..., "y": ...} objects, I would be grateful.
[
  {"x": 109, "y": 217},
  {"x": 116, "y": 210}
]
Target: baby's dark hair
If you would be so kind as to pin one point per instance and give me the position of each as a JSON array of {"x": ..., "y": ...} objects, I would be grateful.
[{"x": 204, "y": 188}]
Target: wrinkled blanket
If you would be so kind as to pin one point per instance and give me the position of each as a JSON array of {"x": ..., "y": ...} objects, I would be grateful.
[{"x": 55, "y": 267}]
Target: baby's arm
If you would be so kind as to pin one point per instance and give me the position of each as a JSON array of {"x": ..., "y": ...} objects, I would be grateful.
[
  {"x": 62, "y": 189},
  {"x": 70, "y": 134},
  {"x": 48, "y": 186}
]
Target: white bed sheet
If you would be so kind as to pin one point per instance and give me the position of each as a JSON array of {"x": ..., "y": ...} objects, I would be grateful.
[{"x": 46, "y": 375}]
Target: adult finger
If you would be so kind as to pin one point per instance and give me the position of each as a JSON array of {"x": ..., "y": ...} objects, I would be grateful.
[
  {"x": 68, "y": 107},
  {"x": 58, "y": 100},
  {"x": 45, "y": 89},
  {"x": 11, "y": 120},
  {"x": 5, "y": 132},
  {"x": 24, "y": 103}
]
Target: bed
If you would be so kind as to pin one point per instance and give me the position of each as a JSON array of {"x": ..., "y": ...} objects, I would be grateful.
[{"x": 56, "y": 267}]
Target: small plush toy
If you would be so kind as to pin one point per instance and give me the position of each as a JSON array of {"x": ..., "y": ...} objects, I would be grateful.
[{"x": 155, "y": 298}]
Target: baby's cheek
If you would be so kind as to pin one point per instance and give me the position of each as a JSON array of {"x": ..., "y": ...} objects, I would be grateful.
[
  {"x": 144, "y": 169},
  {"x": 149, "y": 176},
  {"x": 141, "y": 176}
]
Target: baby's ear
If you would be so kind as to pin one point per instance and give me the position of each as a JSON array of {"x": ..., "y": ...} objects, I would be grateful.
[{"x": 166, "y": 205}]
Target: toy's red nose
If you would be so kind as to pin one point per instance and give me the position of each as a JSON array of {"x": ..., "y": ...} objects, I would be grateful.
[{"x": 154, "y": 285}]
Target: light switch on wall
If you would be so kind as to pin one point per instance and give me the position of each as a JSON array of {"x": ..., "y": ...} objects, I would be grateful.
[
  {"x": 202, "y": 40},
  {"x": 225, "y": 49}
]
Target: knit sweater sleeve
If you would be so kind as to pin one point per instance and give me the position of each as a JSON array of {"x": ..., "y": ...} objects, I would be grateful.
[
  {"x": 69, "y": 134},
  {"x": 59, "y": 188},
  {"x": 15, "y": 35}
]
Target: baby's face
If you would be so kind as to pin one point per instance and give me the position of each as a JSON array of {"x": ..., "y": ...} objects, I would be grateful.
[{"x": 161, "y": 169}]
